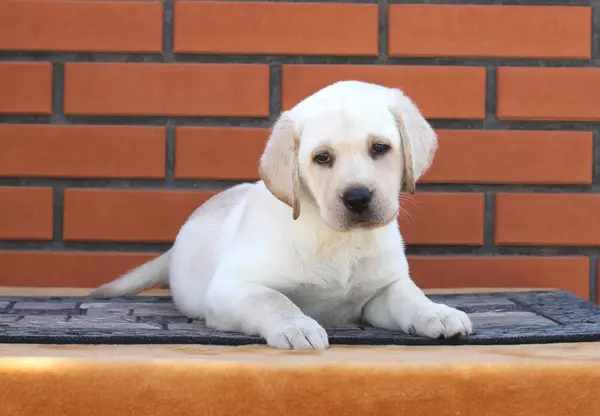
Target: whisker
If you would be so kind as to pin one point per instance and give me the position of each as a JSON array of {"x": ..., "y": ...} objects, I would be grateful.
[
  {"x": 405, "y": 215},
  {"x": 409, "y": 198},
  {"x": 410, "y": 201}
]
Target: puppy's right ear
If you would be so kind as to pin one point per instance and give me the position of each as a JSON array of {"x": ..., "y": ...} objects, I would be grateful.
[{"x": 279, "y": 167}]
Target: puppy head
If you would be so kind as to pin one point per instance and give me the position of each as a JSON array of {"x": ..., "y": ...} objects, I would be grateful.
[{"x": 350, "y": 158}]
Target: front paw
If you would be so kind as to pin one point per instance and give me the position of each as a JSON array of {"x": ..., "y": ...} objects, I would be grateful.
[
  {"x": 435, "y": 320},
  {"x": 302, "y": 333}
]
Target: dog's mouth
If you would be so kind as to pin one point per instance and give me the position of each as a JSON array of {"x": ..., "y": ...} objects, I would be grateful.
[
  {"x": 345, "y": 220},
  {"x": 364, "y": 221},
  {"x": 368, "y": 221}
]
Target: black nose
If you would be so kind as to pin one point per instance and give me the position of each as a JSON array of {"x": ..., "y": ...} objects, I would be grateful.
[{"x": 357, "y": 199}]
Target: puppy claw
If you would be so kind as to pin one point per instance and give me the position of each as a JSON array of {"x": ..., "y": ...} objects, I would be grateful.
[
  {"x": 440, "y": 321},
  {"x": 298, "y": 334}
]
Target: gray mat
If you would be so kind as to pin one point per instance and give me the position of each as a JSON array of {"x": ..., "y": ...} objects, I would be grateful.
[{"x": 498, "y": 318}]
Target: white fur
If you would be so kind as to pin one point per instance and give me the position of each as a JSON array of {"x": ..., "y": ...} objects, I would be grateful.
[{"x": 243, "y": 263}]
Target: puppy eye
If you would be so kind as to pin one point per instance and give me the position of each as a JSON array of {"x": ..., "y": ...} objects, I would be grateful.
[
  {"x": 323, "y": 158},
  {"x": 379, "y": 149}
]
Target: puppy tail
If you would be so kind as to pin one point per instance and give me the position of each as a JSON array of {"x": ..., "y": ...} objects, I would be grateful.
[{"x": 139, "y": 279}]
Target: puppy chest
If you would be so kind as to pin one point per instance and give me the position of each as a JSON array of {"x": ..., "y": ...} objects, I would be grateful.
[
  {"x": 330, "y": 306},
  {"x": 333, "y": 298}
]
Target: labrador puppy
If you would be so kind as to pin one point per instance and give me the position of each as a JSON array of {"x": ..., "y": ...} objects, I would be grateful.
[{"x": 315, "y": 242}]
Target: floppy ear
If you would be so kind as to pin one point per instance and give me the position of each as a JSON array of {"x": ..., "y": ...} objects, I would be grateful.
[
  {"x": 418, "y": 140},
  {"x": 279, "y": 168}
]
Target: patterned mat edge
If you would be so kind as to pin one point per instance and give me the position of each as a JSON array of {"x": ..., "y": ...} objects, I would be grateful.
[{"x": 578, "y": 319}]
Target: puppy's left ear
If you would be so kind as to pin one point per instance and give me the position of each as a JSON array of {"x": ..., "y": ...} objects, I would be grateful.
[{"x": 418, "y": 140}]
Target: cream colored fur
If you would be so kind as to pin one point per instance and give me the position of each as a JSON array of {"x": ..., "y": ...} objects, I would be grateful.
[{"x": 283, "y": 257}]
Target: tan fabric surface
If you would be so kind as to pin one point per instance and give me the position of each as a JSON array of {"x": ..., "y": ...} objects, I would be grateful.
[{"x": 198, "y": 380}]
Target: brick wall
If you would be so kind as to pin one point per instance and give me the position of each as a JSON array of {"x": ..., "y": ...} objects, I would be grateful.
[{"x": 118, "y": 118}]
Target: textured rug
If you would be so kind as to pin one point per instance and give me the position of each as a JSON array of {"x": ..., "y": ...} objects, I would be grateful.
[{"x": 498, "y": 318}]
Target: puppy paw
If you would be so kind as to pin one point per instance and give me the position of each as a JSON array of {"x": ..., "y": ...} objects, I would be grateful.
[
  {"x": 298, "y": 334},
  {"x": 434, "y": 320}
]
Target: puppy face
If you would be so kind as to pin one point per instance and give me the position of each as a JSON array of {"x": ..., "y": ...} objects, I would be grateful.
[
  {"x": 349, "y": 149},
  {"x": 351, "y": 164}
]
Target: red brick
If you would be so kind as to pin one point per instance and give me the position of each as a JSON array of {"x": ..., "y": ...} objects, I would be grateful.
[
  {"x": 124, "y": 215},
  {"x": 564, "y": 273},
  {"x": 548, "y": 219},
  {"x": 517, "y": 157},
  {"x": 25, "y": 87},
  {"x": 443, "y": 219},
  {"x": 490, "y": 31},
  {"x": 65, "y": 269},
  {"x": 219, "y": 152},
  {"x": 26, "y": 213},
  {"x": 439, "y": 91},
  {"x": 82, "y": 151},
  {"x": 153, "y": 89},
  {"x": 549, "y": 94},
  {"x": 92, "y": 26},
  {"x": 240, "y": 27}
]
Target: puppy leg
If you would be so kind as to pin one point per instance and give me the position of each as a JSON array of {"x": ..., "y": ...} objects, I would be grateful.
[
  {"x": 404, "y": 306},
  {"x": 259, "y": 310}
]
